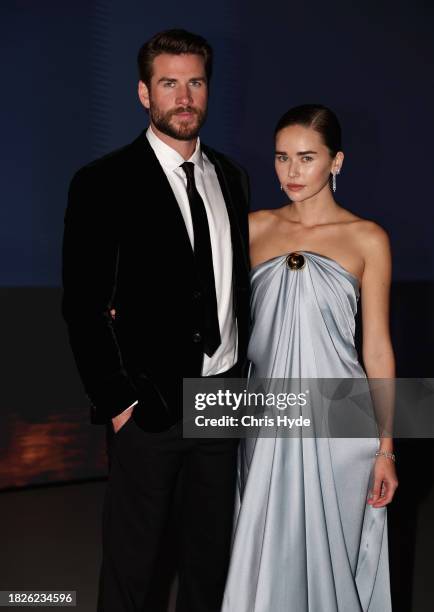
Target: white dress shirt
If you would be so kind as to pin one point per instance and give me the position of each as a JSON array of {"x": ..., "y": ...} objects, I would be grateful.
[{"x": 209, "y": 189}]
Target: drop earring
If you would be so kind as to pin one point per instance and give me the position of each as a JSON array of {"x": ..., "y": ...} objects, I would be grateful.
[
  {"x": 334, "y": 179},
  {"x": 281, "y": 187}
]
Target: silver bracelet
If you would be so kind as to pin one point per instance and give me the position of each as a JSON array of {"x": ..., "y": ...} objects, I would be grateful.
[{"x": 386, "y": 454}]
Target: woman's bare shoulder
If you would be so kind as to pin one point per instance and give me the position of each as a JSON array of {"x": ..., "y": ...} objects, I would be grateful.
[
  {"x": 370, "y": 237},
  {"x": 261, "y": 216},
  {"x": 369, "y": 230},
  {"x": 261, "y": 220},
  {"x": 361, "y": 228}
]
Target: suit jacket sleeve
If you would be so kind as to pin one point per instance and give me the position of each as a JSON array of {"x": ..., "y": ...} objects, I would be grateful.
[{"x": 90, "y": 256}]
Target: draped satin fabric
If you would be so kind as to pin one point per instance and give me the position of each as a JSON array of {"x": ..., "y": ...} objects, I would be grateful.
[{"x": 305, "y": 540}]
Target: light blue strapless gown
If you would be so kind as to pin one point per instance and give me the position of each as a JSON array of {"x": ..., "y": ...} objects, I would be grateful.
[{"x": 305, "y": 539}]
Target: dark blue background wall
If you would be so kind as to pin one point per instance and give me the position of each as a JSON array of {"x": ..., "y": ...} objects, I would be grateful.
[{"x": 69, "y": 95}]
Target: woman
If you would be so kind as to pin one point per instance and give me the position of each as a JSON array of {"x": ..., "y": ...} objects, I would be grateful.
[{"x": 311, "y": 532}]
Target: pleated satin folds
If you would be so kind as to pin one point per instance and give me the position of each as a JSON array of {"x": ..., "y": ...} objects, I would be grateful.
[{"x": 305, "y": 539}]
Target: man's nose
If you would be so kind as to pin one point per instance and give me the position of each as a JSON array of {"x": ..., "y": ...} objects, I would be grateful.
[{"x": 183, "y": 95}]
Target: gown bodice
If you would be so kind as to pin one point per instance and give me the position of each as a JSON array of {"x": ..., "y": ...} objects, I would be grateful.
[{"x": 303, "y": 309}]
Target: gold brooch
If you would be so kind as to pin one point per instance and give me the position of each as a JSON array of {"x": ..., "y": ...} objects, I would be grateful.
[{"x": 295, "y": 261}]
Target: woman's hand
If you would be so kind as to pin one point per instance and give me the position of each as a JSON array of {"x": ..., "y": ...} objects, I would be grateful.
[{"x": 385, "y": 482}]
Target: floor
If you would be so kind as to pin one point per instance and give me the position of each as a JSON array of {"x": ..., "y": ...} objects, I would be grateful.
[{"x": 52, "y": 538}]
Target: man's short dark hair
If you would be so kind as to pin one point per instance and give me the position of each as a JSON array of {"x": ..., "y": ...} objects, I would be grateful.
[{"x": 174, "y": 42}]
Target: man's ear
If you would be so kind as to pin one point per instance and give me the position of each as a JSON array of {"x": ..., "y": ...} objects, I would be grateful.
[{"x": 143, "y": 92}]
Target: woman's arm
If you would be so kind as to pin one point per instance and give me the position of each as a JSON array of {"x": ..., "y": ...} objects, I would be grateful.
[{"x": 378, "y": 354}]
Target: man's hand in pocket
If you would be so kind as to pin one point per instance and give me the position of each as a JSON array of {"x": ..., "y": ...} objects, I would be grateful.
[{"x": 120, "y": 419}]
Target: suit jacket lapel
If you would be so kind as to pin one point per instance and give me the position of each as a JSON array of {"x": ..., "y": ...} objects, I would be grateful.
[
  {"x": 240, "y": 249},
  {"x": 158, "y": 185}
]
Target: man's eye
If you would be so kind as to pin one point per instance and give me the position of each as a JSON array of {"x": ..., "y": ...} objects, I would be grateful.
[
  {"x": 169, "y": 84},
  {"x": 196, "y": 83},
  {"x": 282, "y": 158},
  {"x": 307, "y": 158}
]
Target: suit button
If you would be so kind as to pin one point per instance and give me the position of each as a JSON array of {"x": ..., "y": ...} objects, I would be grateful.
[
  {"x": 197, "y": 337},
  {"x": 197, "y": 294}
]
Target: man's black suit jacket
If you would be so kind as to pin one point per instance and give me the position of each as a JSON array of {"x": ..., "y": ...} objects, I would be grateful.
[{"x": 126, "y": 247}]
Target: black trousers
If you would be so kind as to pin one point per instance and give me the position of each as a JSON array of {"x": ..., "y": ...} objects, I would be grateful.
[{"x": 146, "y": 469}]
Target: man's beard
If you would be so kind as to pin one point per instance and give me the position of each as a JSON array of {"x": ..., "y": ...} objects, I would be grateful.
[{"x": 181, "y": 131}]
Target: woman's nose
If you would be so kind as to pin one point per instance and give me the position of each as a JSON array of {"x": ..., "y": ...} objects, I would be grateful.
[{"x": 293, "y": 170}]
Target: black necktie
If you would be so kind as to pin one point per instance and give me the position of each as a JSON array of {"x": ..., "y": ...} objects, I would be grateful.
[{"x": 204, "y": 265}]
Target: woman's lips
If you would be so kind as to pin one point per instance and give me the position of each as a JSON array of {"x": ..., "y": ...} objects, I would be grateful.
[{"x": 294, "y": 187}]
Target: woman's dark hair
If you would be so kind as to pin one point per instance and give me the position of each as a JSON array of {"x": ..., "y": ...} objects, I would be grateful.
[
  {"x": 318, "y": 117},
  {"x": 174, "y": 42}
]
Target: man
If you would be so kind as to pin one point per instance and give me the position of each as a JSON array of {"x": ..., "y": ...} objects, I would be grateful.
[{"x": 156, "y": 289}]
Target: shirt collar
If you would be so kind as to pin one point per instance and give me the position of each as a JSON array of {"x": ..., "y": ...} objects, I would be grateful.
[{"x": 168, "y": 157}]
